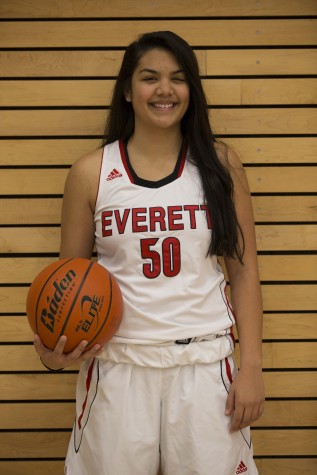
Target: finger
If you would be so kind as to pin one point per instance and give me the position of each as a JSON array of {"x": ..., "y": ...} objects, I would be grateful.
[
  {"x": 92, "y": 352},
  {"x": 237, "y": 419},
  {"x": 60, "y": 345},
  {"x": 230, "y": 402},
  {"x": 78, "y": 351}
]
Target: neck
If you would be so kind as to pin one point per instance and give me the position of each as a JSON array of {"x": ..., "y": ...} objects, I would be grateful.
[{"x": 158, "y": 144}]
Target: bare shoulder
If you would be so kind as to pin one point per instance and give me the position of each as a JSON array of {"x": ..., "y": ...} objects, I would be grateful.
[
  {"x": 88, "y": 165},
  {"x": 228, "y": 156},
  {"x": 83, "y": 177}
]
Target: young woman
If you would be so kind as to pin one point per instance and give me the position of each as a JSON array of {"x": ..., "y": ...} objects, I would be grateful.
[{"x": 160, "y": 201}]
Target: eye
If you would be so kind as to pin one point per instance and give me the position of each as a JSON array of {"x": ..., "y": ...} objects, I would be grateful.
[
  {"x": 179, "y": 79},
  {"x": 149, "y": 79}
]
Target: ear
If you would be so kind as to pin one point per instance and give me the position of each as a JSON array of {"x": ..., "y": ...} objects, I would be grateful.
[{"x": 128, "y": 95}]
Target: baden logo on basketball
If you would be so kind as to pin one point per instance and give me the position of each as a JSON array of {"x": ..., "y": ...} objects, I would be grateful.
[{"x": 55, "y": 304}]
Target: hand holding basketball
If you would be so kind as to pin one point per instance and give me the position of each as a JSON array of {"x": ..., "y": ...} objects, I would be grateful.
[{"x": 77, "y": 298}]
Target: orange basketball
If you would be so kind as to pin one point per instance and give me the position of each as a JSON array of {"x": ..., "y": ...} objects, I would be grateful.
[{"x": 77, "y": 298}]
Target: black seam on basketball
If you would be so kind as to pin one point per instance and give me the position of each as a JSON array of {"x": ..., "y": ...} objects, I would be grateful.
[
  {"x": 43, "y": 287},
  {"x": 75, "y": 299},
  {"x": 108, "y": 311}
]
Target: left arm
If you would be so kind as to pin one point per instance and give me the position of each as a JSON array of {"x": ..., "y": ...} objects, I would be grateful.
[{"x": 246, "y": 397}]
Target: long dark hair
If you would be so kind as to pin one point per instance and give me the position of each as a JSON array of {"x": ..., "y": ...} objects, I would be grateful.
[{"x": 195, "y": 127}]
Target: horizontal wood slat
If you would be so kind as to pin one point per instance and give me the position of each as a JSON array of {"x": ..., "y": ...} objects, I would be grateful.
[
  {"x": 54, "y": 415},
  {"x": 87, "y": 122},
  {"x": 261, "y": 180},
  {"x": 266, "y": 466},
  {"x": 283, "y": 298},
  {"x": 43, "y": 386},
  {"x": 275, "y": 355},
  {"x": 270, "y": 150},
  {"x": 288, "y": 326},
  {"x": 95, "y": 8},
  {"x": 26, "y": 211},
  {"x": 262, "y": 32},
  {"x": 98, "y": 92},
  {"x": 54, "y": 444},
  {"x": 301, "y": 237},
  {"x": 43, "y": 64},
  {"x": 22, "y": 270}
]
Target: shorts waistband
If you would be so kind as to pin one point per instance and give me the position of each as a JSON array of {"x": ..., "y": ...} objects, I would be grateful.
[{"x": 166, "y": 356}]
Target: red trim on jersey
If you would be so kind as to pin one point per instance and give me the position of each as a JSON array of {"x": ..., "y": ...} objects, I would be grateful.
[
  {"x": 228, "y": 371},
  {"x": 124, "y": 160},
  {"x": 88, "y": 383}
]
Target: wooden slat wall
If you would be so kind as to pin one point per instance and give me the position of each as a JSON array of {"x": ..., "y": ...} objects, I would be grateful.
[{"x": 258, "y": 60}]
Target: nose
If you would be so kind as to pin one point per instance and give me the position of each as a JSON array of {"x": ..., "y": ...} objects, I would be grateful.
[{"x": 164, "y": 87}]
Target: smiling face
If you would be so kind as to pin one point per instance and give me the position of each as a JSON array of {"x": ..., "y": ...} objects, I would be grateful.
[{"x": 159, "y": 91}]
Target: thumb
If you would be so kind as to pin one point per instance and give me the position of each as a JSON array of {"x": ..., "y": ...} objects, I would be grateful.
[{"x": 230, "y": 402}]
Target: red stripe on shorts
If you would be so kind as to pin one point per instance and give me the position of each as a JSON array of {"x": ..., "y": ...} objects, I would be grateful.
[
  {"x": 88, "y": 382},
  {"x": 228, "y": 370}
]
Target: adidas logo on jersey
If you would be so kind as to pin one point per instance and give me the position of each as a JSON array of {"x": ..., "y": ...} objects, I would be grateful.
[
  {"x": 242, "y": 468},
  {"x": 114, "y": 174}
]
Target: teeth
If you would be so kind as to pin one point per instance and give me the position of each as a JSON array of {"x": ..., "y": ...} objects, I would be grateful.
[{"x": 163, "y": 106}]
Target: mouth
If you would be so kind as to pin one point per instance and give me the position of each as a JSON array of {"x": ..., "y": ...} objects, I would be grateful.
[{"x": 163, "y": 106}]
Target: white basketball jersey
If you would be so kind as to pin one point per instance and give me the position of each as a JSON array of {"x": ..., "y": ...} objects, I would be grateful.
[{"x": 154, "y": 238}]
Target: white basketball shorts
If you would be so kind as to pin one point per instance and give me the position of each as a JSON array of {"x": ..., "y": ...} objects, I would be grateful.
[{"x": 139, "y": 406}]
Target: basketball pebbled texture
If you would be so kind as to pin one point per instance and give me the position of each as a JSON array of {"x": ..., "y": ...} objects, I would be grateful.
[{"x": 75, "y": 297}]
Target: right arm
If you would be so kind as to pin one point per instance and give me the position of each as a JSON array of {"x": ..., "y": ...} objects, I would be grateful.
[{"x": 77, "y": 240}]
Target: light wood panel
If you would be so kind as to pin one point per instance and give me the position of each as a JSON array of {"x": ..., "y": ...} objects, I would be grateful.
[
  {"x": 44, "y": 64},
  {"x": 267, "y": 150},
  {"x": 95, "y": 8},
  {"x": 283, "y": 298},
  {"x": 87, "y": 33},
  {"x": 286, "y": 326},
  {"x": 22, "y": 270},
  {"x": 98, "y": 92},
  {"x": 18, "y": 467},
  {"x": 275, "y": 355},
  {"x": 87, "y": 122},
  {"x": 284, "y": 466},
  {"x": 26, "y": 211},
  {"x": 54, "y": 444},
  {"x": 43, "y": 386},
  {"x": 261, "y": 62},
  {"x": 52, "y": 415},
  {"x": 263, "y": 179},
  {"x": 301, "y": 237}
]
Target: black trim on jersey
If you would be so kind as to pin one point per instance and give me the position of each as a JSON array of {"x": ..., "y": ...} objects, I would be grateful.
[{"x": 164, "y": 181}]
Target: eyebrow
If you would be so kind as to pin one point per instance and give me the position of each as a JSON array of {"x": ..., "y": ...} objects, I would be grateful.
[{"x": 153, "y": 71}]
